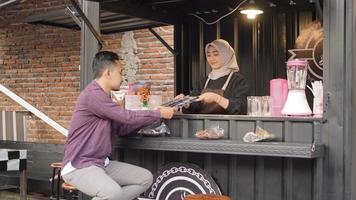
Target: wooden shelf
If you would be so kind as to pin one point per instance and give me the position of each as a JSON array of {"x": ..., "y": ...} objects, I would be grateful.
[{"x": 234, "y": 147}]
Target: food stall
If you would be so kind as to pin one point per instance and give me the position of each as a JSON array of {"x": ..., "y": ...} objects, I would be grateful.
[{"x": 313, "y": 157}]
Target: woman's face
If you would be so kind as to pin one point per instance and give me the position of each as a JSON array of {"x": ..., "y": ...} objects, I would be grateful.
[{"x": 214, "y": 58}]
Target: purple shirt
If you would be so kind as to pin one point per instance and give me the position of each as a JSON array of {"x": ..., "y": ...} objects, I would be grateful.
[{"x": 95, "y": 118}]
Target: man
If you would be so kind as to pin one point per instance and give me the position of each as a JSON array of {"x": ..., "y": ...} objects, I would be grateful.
[{"x": 88, "y": 146}]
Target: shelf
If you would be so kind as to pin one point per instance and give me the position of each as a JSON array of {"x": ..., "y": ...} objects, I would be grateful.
[
  {"x": 247, "y": 117},
  {"x": 276, "y": 149}
]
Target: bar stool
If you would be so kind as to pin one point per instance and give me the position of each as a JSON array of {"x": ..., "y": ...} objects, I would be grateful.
[
  {"x": 56, "y": 174},
  {"x": 71, "y": 191},
  {"x": 206, "y": 197}
]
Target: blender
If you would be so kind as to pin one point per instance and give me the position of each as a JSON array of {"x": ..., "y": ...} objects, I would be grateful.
[{"x": 296, "y": 103}]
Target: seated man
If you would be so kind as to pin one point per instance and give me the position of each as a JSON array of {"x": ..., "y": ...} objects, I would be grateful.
[{"x": 89, "y": 144}]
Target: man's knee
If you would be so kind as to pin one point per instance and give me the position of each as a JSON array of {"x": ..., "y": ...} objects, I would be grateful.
[
  {"x": 147, "y": 178},
  {"x": 112, "y": 193}
]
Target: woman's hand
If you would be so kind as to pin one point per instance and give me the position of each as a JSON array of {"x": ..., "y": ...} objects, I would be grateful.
[
  {"x": 180, "y": 96},
  {"x": 209, "y": 97}
]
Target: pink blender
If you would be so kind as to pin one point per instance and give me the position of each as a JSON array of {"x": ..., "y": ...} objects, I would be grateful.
[{"x": 296, "y": 103}]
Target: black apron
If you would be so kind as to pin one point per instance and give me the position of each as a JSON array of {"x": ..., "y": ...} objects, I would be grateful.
[{"x": 214, "y": 108}]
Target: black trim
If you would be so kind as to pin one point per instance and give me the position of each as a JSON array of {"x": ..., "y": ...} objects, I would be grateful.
[
  {"x": 3, "y": 165},
  {"x": 12, "y": 155},
  {"x": 163, "y": 42}
]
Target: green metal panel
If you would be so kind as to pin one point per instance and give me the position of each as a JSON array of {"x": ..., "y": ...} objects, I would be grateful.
[{"x": 247, "y": 173}]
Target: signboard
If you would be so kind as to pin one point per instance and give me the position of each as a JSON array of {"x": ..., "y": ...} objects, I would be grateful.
[
  {"x": 309, "y": 46},
  {"x": 176, "y": 180}
]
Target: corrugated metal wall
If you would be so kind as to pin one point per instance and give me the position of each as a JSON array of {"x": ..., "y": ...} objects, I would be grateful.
[
  {"x": 261, "y": 46},
  {"x": 13, "y": 125},
  {"x": 244, "y": 177}
]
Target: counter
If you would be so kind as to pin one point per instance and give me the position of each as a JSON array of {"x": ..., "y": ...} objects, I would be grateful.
[{"x": 291, "y": 165}]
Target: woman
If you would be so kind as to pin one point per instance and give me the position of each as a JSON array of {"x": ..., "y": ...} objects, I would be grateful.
[{"x": 224, "y": 91}]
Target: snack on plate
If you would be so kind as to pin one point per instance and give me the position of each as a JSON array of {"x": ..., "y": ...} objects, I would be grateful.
[
  {"x": 200, "y": 134},
  {"x": 155, "y": 130},
  {"x": 259, "y": 136},
  {"x": 250, "y": 137},
  {"x": 211, "y": 133},
  {"x": 261, "y": 133}
]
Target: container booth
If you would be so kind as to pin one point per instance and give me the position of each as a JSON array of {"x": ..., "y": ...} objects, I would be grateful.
[{"x": 313, "y": 158}]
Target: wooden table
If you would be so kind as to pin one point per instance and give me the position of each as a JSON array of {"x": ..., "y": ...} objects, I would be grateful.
[{"x": 15, "y": 160}]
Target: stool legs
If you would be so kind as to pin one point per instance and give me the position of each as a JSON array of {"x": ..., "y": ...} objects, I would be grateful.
[
  {"x": 69, "y": 191},
  {"x": 52, "y": 181},
  {"x": 58, "y": 183},
  {"x": 55, "y": 193}
]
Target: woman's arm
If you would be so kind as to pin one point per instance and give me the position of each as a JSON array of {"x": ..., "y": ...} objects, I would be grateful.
[
  {"x": 236, "y": 94},
  {"x": 234, "y": 100}
]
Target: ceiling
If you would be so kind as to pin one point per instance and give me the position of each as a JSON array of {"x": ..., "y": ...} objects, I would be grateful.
[
  {"x": 124, "y": 15},
  {"x": 110, "y": 22},
  {"x": 176, "y": 11}
]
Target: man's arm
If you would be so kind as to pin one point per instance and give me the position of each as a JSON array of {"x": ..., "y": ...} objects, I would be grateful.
[
  {"x": 103, "y": 107},
  {"x": 125, "y": 129}
]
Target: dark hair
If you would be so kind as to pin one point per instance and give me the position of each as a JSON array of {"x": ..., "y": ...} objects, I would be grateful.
[{"x": 102, "y": 61}]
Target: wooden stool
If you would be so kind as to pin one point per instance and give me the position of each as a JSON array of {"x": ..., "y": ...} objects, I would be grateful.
[
  {"x": 206, "y": 197},
  {"x": 71, "y": 189},
  {"x": 56, "y": 166}
]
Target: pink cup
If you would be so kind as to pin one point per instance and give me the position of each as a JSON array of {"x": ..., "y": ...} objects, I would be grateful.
[{"x": 278, "y": 92}]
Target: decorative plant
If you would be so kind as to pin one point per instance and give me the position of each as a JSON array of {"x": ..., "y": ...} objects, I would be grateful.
[{"x": 144, "y": 93}]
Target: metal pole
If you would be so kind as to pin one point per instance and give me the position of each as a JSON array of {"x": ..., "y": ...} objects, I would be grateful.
[
  {"x": 7, "y": 2},
  {"x": 87, "y": 22},
  {"x": 89, "y": 44},
  {"x": 163, "y": 41}
]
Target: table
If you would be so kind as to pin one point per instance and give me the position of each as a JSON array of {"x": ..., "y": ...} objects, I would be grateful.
[{"x": 15, "y": 160}]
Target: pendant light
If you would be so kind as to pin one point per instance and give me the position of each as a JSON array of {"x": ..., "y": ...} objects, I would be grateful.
[{"x": 251, "y": 10}]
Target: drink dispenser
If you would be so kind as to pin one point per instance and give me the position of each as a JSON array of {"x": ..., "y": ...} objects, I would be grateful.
[
  {"x": 278, "y": 92},
  {"x": 296, "y": 103}
]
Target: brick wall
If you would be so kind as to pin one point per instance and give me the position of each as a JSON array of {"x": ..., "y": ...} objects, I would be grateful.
[
  {"x": 156, "y": 61},
  {"x": 41, "y": 64}
]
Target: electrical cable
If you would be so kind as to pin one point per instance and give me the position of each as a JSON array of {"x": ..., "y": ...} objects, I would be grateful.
[{"x": 227, "y": 14}]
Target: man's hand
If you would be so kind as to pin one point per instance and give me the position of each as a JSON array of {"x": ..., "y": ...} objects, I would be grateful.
[
  {"x": 121, "y": 104},
  {"x": 167, "y": 112},
  {"x": 209, "y": 97}
]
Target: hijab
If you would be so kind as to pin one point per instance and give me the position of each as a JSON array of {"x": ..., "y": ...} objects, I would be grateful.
[{"x": 227, "y": 54}]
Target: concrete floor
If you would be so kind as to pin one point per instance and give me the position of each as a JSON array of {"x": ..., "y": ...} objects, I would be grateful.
[{"x": 13, "y": 195}]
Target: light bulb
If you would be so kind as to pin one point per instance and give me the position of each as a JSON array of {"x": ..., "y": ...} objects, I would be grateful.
[
  {"x": 251, "y": 13},
  {"x": 251, "y": 16}
]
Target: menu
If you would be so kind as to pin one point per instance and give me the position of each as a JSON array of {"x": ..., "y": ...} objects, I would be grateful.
[{"x": 180, "y": 102}]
